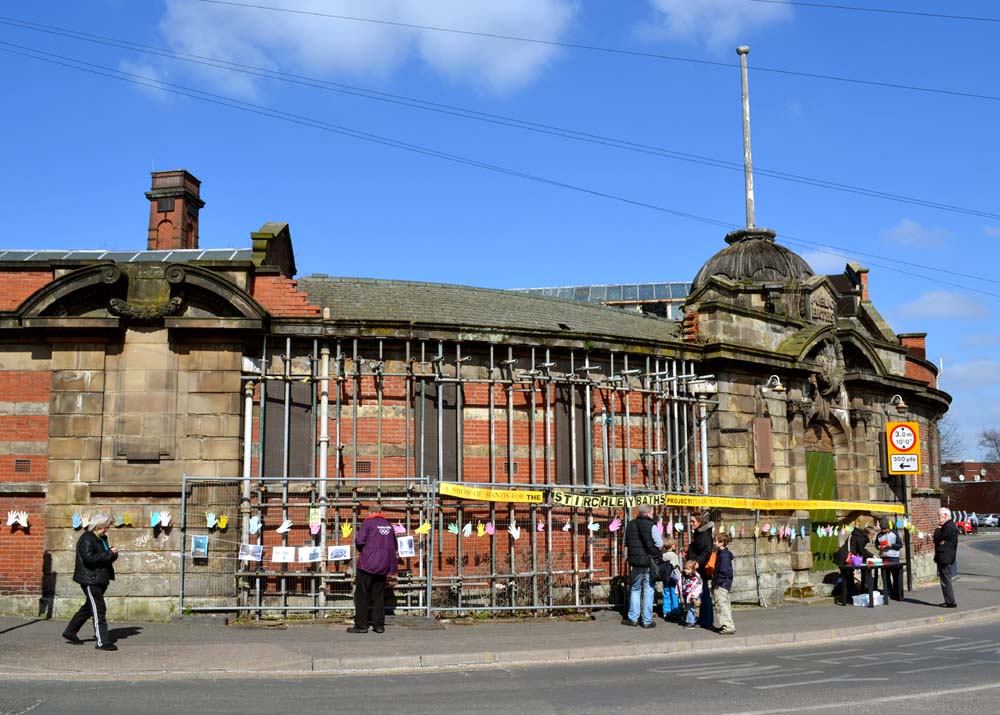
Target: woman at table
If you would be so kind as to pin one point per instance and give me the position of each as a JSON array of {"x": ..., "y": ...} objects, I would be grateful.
[{"x": 889, "y": 544}]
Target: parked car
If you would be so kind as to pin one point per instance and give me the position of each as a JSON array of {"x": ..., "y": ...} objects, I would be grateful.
[
  {"x": 990, "y": 520},
  {"x": 964, "y": 527}
]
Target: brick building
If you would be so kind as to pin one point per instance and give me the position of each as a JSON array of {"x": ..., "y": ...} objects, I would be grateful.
[{"x": 213, "y": 383}]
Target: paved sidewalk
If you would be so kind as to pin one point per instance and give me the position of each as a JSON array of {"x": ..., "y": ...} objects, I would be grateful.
[{"x": 34, "y": 649}]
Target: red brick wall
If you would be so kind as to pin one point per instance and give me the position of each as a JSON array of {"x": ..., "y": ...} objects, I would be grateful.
[
  {"x": 22, "y": 550},
  {"x": 920, "y": 371},
  {"x": 17, "y": 286},
  {"x": 280, "y": 297}
]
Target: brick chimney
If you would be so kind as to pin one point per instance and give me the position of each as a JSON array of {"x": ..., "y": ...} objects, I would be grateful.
[{"x": 173, "y": 211}]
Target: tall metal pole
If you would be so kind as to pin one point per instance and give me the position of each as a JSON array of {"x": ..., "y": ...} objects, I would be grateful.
[{"x": 742, "y": 51}]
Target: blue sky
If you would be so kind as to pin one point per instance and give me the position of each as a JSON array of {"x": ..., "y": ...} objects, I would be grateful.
[{"x": 79, "y": 145}]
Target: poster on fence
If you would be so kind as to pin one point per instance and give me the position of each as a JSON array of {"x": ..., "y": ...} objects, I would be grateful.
[
  {"x": 308, "y": 554},
  {"x": 338, "y": 553},
  {"x": 199, "y": 547},
  {"x": 283, "y": 554},
  {"x": 251, "y": 552},
  {"x": 404, "y": 547}
]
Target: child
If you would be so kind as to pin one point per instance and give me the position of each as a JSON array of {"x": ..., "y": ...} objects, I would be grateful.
[
  {"x": 691, "y": 591},
  {"x": 672, "y": 567},
  {"x": 722, "y": 585}
]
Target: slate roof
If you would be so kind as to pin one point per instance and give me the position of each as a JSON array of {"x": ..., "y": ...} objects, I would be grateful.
[{"x": 481, "y": 309}]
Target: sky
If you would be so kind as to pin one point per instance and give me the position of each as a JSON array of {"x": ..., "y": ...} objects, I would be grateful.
[{"x": 415, "y": 139}]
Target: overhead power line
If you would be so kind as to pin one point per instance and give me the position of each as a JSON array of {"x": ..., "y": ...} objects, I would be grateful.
[
  {"x": 854, "y": 8},
  {"x": 301, "y": 120},
  {"x": 610, "y": 50},
  {"x": 465, "y": 113}
]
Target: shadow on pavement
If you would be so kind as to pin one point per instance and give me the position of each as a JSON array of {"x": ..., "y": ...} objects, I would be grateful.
[{"x": 118, "y": 634}]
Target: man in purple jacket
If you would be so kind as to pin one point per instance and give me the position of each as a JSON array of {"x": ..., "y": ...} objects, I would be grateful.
[{"x": 376, "y": 544}]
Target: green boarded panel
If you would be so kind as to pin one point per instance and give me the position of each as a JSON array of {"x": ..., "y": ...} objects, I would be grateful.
[{"x": 821, "y": 482}]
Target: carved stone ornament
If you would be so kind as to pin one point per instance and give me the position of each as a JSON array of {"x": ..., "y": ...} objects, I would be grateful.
[
  {"x": 830, "y": 363},
  {"x": 152, "y": 311}
]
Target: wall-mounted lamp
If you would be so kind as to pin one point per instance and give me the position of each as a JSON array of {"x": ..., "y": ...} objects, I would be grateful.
[
  {"x": 773, "y": 384},
  {"x": 897, "y": 402}
]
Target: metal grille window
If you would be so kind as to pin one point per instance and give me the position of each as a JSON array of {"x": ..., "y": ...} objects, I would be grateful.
[
  {"x": 300, "y": 430},
  {"x": 22, "y": 465}
]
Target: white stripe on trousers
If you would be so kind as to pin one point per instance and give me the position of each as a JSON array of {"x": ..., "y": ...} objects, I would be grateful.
[{"x": 93, "y": 613}]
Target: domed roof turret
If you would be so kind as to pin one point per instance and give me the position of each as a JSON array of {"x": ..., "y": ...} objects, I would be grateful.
[{"x": 753, "y": 255}]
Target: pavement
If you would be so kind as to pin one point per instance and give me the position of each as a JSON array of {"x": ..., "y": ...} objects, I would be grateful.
[{"x": 203, "y": 646}]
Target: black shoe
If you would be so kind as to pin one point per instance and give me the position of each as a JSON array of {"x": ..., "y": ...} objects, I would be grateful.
[
  {"x": 627, "y": 622},
  {"x": 72, "y": 638},
  {"x": 355, "y": 629},
  {"x": 651, "y": 624},
  {"x": 949, "y": 605},
  {"x": 107, "y": 646},
  {"x": 379, "y": 629}
]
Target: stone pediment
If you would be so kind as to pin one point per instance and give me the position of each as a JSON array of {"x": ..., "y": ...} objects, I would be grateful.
[{"x": 108, "y": 294}]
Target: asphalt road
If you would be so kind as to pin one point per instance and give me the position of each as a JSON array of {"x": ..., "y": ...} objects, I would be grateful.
[{"x": 929, "y": 671}]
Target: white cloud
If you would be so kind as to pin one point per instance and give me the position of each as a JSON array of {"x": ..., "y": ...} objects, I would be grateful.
[
  {"x": 985, "y": 340},
  {"x": 912, "y": 233},
  {"x": 825, "y": 261},
  {"x": 942, "y": 304},
  {"x": 992, "y": 231},
  {"x": 975, "y": 374},
  {"x": 714, "y": 23},
  {"x": 326, "y": 46}
]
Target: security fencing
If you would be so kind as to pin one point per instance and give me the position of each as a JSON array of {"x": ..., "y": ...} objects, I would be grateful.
[{"x": 290, "y": 548}]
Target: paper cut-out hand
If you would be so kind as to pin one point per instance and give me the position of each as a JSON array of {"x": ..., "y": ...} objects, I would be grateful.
[
  {"x": 398, "y": 528},
  {"x": 154, "y": 519},
  {"x": 490, "y": 528},
  {"x": 679, "y": 526},
  {"x": 766, "y": 528},
  {"x": 424, "y": 528},
  {"x": 802, "y": 531},
  {"x": 453, "y": 528},
  {"x": 127, "y": 518},
  {"x": 314, "y": 528},
  {"x": 659, "y": 525},
  {"x": 77, "y": 521},
  {"x": 732, "y": 531},
  {"x": 22, "y": 518},
  {"x": 836, "y": 531},
  {"x": 670, "y": 528},
  {"x": 791, "y": 534},
  {"x": 514, "y": 530},
  {"x": 742, "y": 531},
  {"x": 165, "y": 519},
  {"x": 540, "y": 527},
  {"x": 285, "y": 526},
  {"x": 254, "y": 524},
  {"x": 615, "y": 524},
  {"x": 345, "y": 529},
  {"x": 567, "y": 526},
  {"x": 223, "y": 521},
  {"x": 467, "y": 529},
  {"x": 774, "y": 532},
  {"x": 756, "y": 530},
  {"x": 119, "y": 520},
  {"x": 480, "y": 529},
  {"x": 593, "y": 526},
  {"x": 11, "y": 518},
  {"x": 211, "y": 519}
]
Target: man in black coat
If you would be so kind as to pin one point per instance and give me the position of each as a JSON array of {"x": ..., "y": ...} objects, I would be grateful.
[
  {"x": 945, "y": 550},
  {"x": 94, "y": 571}
]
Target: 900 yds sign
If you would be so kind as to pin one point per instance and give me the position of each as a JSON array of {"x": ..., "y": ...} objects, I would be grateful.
[{"x": 903, "y": 447}]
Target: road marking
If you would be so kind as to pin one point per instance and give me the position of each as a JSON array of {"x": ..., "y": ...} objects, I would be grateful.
[
  {"x": 785, "y": 674},
  {"x": 839, "y": 705},
  {"x": 819, "y": 653},
  {"x": 835, "y": 679}
]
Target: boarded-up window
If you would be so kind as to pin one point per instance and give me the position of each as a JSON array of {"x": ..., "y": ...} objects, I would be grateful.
[
  {"x": 301, "y": 431},
  {"x": 426, "y": 444},
  {"x": 570, "y": 435}
]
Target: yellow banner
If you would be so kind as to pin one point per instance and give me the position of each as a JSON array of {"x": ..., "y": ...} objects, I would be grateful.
[
  {"x": 614, "y": 501},
  {"x": 488, "y": 494}
]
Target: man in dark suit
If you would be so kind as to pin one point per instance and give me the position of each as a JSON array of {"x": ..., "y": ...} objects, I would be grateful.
[{"x": 945, "y": 550}]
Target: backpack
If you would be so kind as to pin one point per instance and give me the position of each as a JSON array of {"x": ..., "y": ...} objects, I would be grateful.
[{"x": 710, "y": 565}]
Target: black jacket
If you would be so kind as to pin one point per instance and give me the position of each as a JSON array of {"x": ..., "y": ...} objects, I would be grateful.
[
  {"x": 642, "y": 551},
  {"x": 945, "y": 543},
  {"x": 723, "y": 577},
  {"x": 701, "y": 545},
  {"x": 94, "y": 560}
]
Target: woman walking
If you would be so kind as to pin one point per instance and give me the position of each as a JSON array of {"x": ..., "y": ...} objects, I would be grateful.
[{"x": 94, "y": 571}]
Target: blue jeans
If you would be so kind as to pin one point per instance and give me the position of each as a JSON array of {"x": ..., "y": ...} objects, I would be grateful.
[
  {"x": 691, "y": 615},
  {"x": 642, "y": 592},
  {"x": 671, "y": 606}
]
